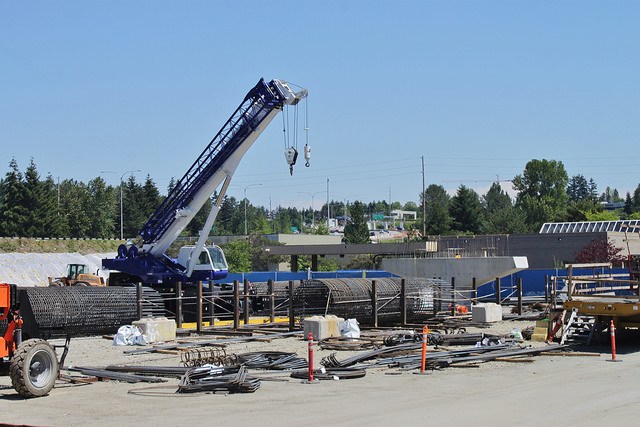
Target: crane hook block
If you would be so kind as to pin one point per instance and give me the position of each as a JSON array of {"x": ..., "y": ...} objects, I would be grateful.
[
  {"x": 307, "y": 154},
  {"x": 291, "y": 154}
]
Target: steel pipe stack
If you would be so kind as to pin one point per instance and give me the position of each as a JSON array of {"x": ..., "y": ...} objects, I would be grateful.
[
  {"x": 54, "y": 311},
  {"x": 352, "y": 298}
]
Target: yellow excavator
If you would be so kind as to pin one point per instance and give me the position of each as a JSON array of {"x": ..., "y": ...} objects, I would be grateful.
[{"x": 77, "y": 275}]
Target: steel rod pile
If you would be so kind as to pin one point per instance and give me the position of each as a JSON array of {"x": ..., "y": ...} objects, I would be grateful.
[
  {"x": 331, "y": 374},
  {"x": 117, "y": 376},
  {"x": 352, "y": 298},
  {"x": 276, "y": 360},
  {"x": 218, "y": 380}
]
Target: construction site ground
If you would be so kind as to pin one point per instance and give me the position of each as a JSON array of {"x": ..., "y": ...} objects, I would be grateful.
[{"x": 550, "y": 390}]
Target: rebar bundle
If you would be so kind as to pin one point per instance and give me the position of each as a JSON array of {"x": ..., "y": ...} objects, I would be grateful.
[
  {"x": 211, "y": 379},
  {"x": 277, "y": 360},
  {"x": 353, "y": 298},
  {"x": 76, "y": 310},
  {"x": 207, "y": 356}
]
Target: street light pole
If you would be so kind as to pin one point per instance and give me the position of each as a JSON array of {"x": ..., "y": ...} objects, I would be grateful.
[
  {"x": 313, "y": 212},
  {"x": 245, "y": 205},
  {"x": 121, "y": 208}
]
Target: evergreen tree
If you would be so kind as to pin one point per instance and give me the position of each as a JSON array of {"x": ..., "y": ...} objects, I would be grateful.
[
  {"x": 500, "y": 216},
  {"x": 228, "y": 219},
  {"x": 51, "y": 217},
  {"x": 356, "y": 230},
  {"x": 635, "y": 200},
  {"x": 628, "y": 205},
  {"x": 104, "y": 203},
  {"x": 542, "y": 192},
  {"x": 75, "y": 202},
  {"x": 13, "y": 213},
  {"x": 578, "y": 188},
  {"x": 438, "y": 219},
  {"x": 134, "y": 207},
  {"x": 466, "y": 210},
  {"x": 31, "y": 201},
  {"x": 496, "y": 199}
]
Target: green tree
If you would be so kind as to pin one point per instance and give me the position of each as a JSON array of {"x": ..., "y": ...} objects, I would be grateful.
[
  {"x": 496, "y": 199},
  {"x": 437, "y": 200},
  {"x": 466, "y": 210},
  {"x": 628, "y": 205},
  {"x": 13, "y": 213},
  {"x": 500, "y": 216},
  {"x": 542, "y": 192},
  {"x": 104, "y": 203},
  {"x": 229, "y": 220},
  {"x": 51, "y": 217},
  {"x": 356, "y": 230},
  {"x": 238, "y": 255},
  {"x": 134, "y": 207},
  {"x": 602, "y": 215},
  {"x": 151, "y": 199},
  {"x": 635, "y": 200},
  {"x": 74, "y": 202},
  {"x": 578, "y": 189}
]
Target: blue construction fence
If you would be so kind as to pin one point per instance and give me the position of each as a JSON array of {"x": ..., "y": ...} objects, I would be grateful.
[
  {"x": 533, "y": 281},
  {"x": 285, "y": 276}
]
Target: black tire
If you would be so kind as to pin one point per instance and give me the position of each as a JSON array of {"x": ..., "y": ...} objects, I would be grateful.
[
  {"x": 34, "y": 368},
  {"x": 56, "y": 284},
  {"x": 81, "y": 284}
]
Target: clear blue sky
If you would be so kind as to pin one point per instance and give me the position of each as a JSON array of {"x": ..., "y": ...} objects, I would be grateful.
[{"x": 476, "y": 87}]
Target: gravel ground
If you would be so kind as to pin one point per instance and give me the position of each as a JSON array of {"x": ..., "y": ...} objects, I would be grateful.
[{"x": 582, "y": 390}]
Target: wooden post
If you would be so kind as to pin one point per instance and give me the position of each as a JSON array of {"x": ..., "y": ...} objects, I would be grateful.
[
  {"x": 474, "y": 288},
  {"x": 498, "y": 293},
  {"x": 403, "y": 301},
  {"x": 245, "y": 303},
  {"x": 199, "y": 308},
  {"x": 453, "y": 296},
  {"x": 272, "y": 301},
  {"x": 179, "y": 305},
  {"x": 212, "y": 304},
  {"x": 236, "y": 305},
  {"x": 374, "y": 303},
  {"x": 292, "y": 320},
  {"x": 139, "y": 299},
  {"x": 546, "y": 288},
  {"x": 519, "y": 287}
]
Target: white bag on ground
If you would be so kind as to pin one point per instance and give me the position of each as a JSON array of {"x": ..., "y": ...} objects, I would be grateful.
[
  {"x": 129, "y": 335},
  {"x": 349, "y": 328}
]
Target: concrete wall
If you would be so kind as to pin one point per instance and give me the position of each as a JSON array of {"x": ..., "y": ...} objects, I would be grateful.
[{"x": 462, "y": 269}]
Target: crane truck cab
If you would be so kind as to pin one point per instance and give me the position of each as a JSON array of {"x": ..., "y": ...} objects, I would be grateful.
[{"x": 211, "y": 258}]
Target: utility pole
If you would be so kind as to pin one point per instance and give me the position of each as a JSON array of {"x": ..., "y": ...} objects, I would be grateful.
[
  {"x": 424, "y": 204},
  {"x": 328, "y": 208}
]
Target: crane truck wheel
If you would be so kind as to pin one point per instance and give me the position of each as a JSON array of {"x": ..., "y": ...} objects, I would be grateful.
[{"x": 34, "y": 368}]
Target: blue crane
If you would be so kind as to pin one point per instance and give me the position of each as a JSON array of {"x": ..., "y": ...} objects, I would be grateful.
[{"x": 212, "y": 171}]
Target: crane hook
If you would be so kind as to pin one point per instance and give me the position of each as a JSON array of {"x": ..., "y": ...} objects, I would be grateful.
[
  {"x": 307, "y": 154},
  {"x": 291, "y": 155}
]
